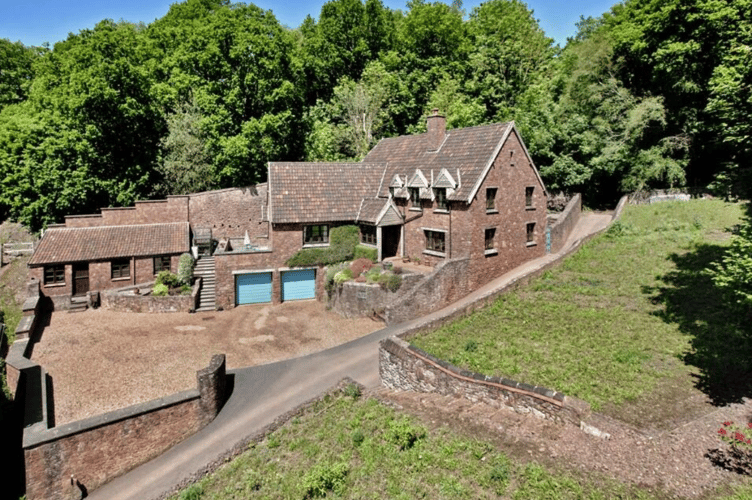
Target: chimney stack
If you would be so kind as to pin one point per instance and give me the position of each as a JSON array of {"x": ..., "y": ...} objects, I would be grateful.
[{"x": 436, "y": 125}]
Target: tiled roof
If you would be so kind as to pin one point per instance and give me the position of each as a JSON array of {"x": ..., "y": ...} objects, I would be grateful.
[
  {"x": 77, "y": 244},
  {"x": 468, "y": 150},
  {"x": 321, "y": 192},
  {"x": 370, "y": 209}
]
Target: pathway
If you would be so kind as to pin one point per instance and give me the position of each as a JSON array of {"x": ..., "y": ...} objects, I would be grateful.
[{"x": 261, "y": 393}]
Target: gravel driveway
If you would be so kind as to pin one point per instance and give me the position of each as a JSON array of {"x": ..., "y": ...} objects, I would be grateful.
[{"x": 102, "y": 360}]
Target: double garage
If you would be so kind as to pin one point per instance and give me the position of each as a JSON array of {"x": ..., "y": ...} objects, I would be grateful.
[{"x": 257, "y": 287}]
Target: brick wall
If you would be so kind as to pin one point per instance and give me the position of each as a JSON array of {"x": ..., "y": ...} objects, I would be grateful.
[
  {"x": 405, "y": 367},
  {"x": 95, "y": 450},
  {"x": 173, "y": 209},
  {"x": 100, "y": 278},
  {"x": 123, "y": 300},
  {"x": 231, "y": 212}
]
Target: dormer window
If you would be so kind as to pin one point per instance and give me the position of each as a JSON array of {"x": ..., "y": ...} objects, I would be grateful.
[{"x": 441, "y": 200}]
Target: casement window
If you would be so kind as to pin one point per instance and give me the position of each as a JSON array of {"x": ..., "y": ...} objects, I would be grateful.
[
  {"x": 54, "y": 275},
  {"x": 162, "y": 263},
  {"x": 529, "y": 197},
  {"x": 530, "y": 233},
  {"x": 415, "y": 199},
  {"x": 435, "y": 241},
  {"x": 491, "y": 200},
  {"x": 120, "y": 268},
  {"x": 490, "y": 234},
  {"x": 441, "y": 201},
  {"x": 368, "y": 234},
  {"x": 316, "y": 235}
]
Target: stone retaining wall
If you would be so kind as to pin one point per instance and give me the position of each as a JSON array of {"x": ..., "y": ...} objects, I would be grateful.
[
  {"x": 405, "y": 367},
  {"x": 67, "y": 461},
  {"x": 124, "y": 300},
  {"x": 449, "y": 282},
  {"x": 354, "y": 299},
  {"x": 565, "y": 223}
]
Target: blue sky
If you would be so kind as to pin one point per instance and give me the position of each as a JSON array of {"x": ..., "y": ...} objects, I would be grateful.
[{"x": 34, "y": 22}]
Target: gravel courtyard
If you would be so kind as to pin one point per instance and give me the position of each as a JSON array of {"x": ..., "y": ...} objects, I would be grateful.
[{"x": 102, "y": 360}]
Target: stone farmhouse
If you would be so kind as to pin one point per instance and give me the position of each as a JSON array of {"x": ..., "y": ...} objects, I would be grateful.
[{"x": 445, "y": 194}]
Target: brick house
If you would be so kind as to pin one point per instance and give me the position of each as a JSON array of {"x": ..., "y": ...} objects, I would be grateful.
[{"x": 465, "y": 193}]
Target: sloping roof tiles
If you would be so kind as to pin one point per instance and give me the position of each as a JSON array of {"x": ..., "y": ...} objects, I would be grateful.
[
  {"x": 321, "y": 192},
  {"x": 61, "y": 245}
]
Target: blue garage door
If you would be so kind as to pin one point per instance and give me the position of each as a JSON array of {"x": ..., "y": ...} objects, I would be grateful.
[
  {"x": 299, "y": 284},
  {"x": 253, "y": 288}
]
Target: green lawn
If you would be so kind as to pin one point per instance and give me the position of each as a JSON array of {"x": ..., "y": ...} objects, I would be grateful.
[
  {"x": 629, "y": 311},
  {"x": 347, "y": 447}
]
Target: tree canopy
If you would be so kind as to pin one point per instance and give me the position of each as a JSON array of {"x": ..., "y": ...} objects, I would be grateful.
[{"x": 650, "y": 94}]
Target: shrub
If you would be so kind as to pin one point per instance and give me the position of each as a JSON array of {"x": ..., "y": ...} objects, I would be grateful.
[
  {"x": 342, "y": 276},
  {"x": 331, "y": 271},
  {"x": 185, "y": 268},
  {"x": 373, "y": 274},
  {"x": 404, "y": 434},
  {"x": 352, "y": 390},
  {"x": 390, "y": 281},
  {"x": 342, "y": 243},
  {"x": 185, "y": 290},
  {"x": 160, "y": 290},
  {"x": 169, "y": 279},
  {"x": 324, "y": 477},
  {"x": 358, "y": 437},
  {"x": 359, "y": 266},
  {"x": 364, "y": 252},
  {"x": 733, "y": 274}
]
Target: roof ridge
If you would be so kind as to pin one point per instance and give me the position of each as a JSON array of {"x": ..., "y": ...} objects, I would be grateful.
[{"x": 119, "y": 225}]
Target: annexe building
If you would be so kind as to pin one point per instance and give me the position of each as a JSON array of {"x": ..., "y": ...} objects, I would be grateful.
[{"x": 465, "y": 193}]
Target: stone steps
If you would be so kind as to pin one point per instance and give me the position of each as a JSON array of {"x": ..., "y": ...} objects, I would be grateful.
[{"x": 205, "y": 268}]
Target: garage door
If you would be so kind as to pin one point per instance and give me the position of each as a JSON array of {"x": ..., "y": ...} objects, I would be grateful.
[
  {"x": 299, "y": 284},
  {"x": 253, "y": 288}
]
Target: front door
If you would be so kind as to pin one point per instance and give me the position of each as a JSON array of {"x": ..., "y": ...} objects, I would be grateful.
[
  {"x": 390, "y": 241},
  {"x": 80, "y": 279}
]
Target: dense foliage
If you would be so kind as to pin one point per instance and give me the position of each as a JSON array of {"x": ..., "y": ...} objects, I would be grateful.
[{"x": 651, "y": 94}]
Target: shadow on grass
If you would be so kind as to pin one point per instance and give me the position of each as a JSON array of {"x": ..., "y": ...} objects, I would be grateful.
[{"x": 720, "y": 338}]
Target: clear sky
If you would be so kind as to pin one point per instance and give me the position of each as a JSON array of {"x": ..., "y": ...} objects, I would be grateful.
[{"x": 34, "y": 22}]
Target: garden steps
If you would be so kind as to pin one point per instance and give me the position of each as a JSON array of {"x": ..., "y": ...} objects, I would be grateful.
[{"x": 205, "y": 268}]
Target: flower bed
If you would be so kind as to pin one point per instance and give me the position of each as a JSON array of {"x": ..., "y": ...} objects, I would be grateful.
[{"x": 139, "y": 299}]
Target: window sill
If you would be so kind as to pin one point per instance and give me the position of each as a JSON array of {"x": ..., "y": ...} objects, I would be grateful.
[
  {"x": 531, "y": 244},
  {"x": 370, "y": 245},
  {"x": 413, "y": 209},
  {"x": 529, "y": 208},
  {"x": 491, "y": 251},
  {"x": 127, "y": 278},
  {"x": 434, "y": 253},
  {"x": 441, "y": 211},
  {"x": 315, "y": 245},
  {"x": 492, "y": 211},
  {"x": 54, "y": 285}
]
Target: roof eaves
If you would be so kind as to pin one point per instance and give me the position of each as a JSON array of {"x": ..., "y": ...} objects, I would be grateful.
[{"x": 490, "y": 163}]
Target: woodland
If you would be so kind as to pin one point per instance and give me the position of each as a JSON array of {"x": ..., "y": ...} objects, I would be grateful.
[{"x": 652, "y": 94}]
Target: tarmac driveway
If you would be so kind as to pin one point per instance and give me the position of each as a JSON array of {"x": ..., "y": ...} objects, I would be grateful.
[{"x": 102, "y": 360}]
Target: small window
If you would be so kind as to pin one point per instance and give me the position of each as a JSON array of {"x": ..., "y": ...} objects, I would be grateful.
[
  {"x": 531, "y": 232},
  {"x": 162, "y": 263},
  {"x": 490, "y": 233},
  {"x": 441, "y": 201},
  {"x": 415, "y": 198},
  {"x": 529, "y": 197},
  {"x": 435, "y": 241},
  {"x": 313, "y": 235},
  {"x": 121, "y": 268},
  {"x": 490, "y": 199},
  {"x": 368, "y": 234},
  {"x": 54, "y": 275},
  {"x": 391, "y": 192}
]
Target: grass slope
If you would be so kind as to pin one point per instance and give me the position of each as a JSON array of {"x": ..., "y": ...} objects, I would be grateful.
[
  {"x": 629, "y": 311},
  {"x": 349, "y": 447}
]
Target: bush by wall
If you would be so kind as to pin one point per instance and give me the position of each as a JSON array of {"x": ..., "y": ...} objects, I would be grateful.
[
  {"x": 342, "y": 243},
  {"x": 185, "y": 268},
  {"x": 364, "y": 252}
]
